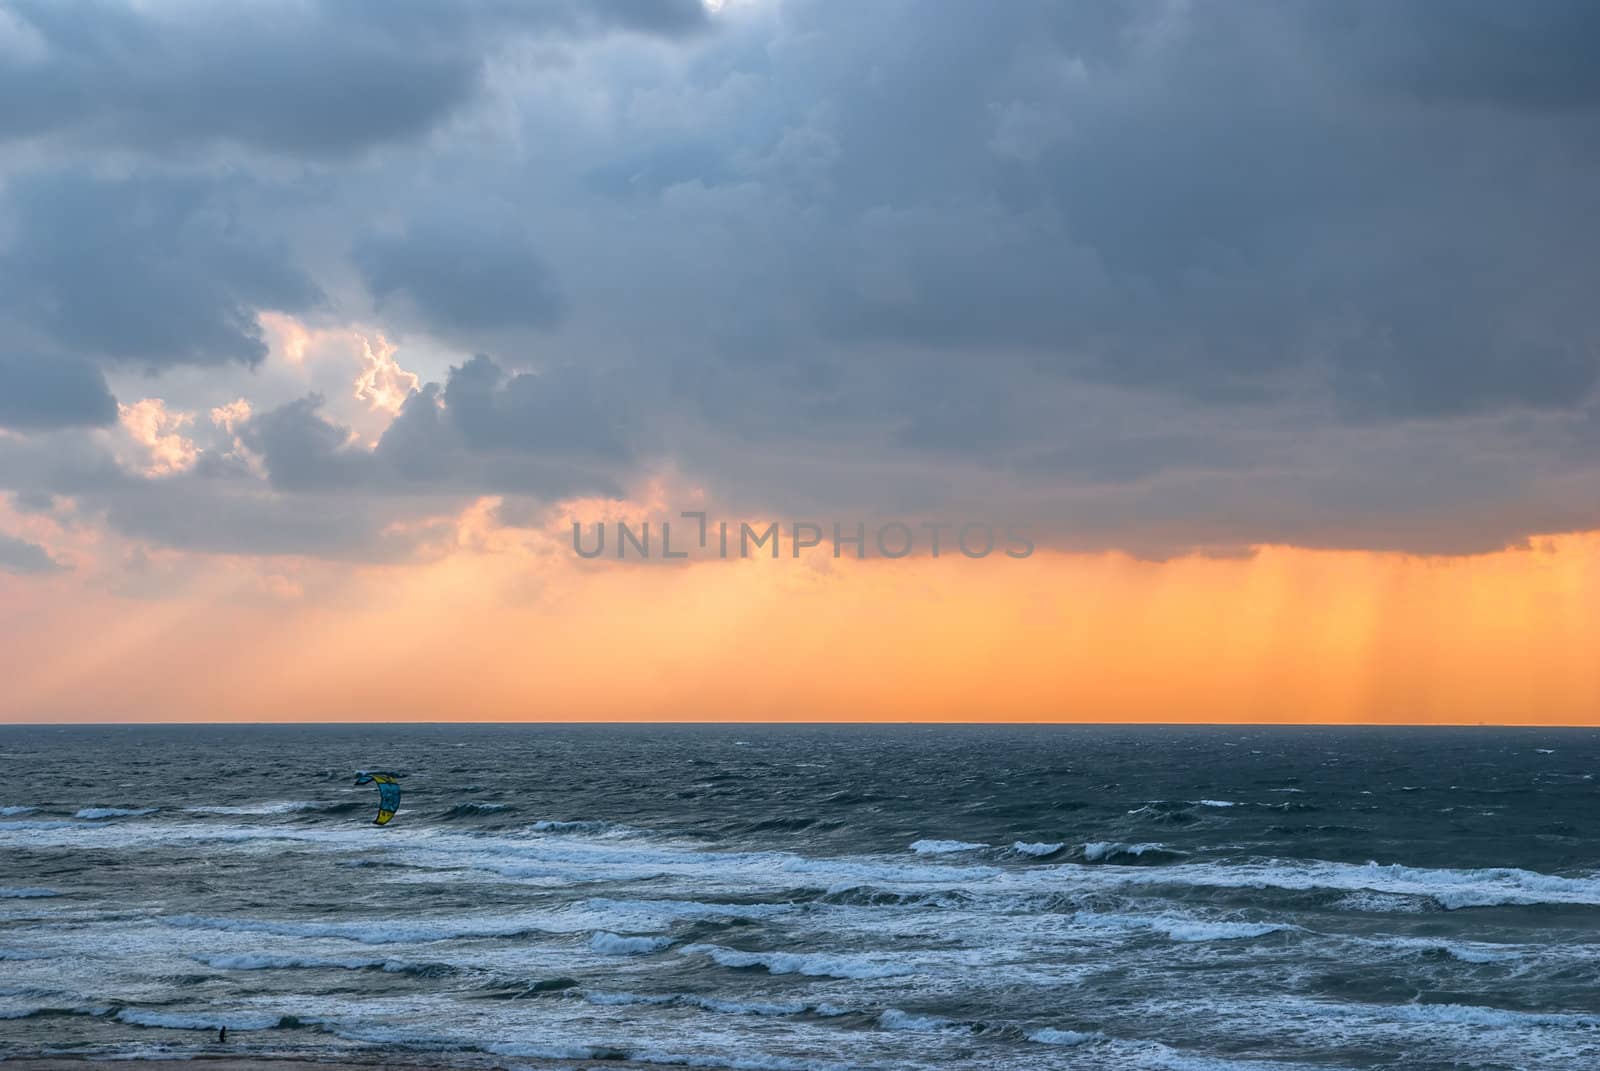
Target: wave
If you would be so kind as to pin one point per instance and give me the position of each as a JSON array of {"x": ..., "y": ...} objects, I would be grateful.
[
  {"x": 96, "y": 813},
  {"x": 944, "y": 847},
  {"x": 611, "y": 944},
  {"x": 279, "y": 807},
  {"x": 606, "y": 999},
  {"x": 765, "y": 1008},
  {"x": 648, "y": 914},
  {"x": 1051, "y": 1036},
  {"x": 1179, "y": 928},
  {"x": 1038, "y": 849},
  {"x": 1384, "y": 903},
  {"x": 40, "y": 1012},
  {"x": 1114, "y": 851},
  {"x": 895, "y": 1019},
  {"x": 262, "y": 961},
  {"x": 42, "y": 823},
  {"x": 1478, "y": 1015},
  {"x": 370, "y": 933},
  {"x": 202, "y": 1021},
  {"x": 546, "y": 825},
  {"x": 25, "y": 892},
  {"x": 1476, "y": 952},
  {"x": 1449, "y": 889},
  {"x": 718, "y": 1005},
  {"x": 473, "y": 810},
  {"x": 12, "y": 811},
  {"x": 810, "y": 964}
]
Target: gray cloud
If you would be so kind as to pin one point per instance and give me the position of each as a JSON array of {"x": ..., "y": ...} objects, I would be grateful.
[
  {"x": 461, "y": 276},
  {"x": 24, "y": 558},
  {"x": 485, "y": 432},
  {"x": 1155, "y": 274},
  {"x": 53, "y": 392},
  {"x": 323, "y": 78},
  {"x": 153, "y": 271},
  {"x": 1530, "y": 57}
]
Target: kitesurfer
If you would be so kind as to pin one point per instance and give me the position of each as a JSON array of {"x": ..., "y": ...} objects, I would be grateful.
[{"x": 388, "y": 792}]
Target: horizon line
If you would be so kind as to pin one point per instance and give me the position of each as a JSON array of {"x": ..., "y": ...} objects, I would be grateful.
[{"x": 828, "y": 722}]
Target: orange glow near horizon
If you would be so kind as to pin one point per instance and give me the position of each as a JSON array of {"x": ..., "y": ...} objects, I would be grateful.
[{"x": 1287, "y": 635}]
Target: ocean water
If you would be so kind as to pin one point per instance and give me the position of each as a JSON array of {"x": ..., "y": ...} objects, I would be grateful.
[{"x": 808, "y": 897}]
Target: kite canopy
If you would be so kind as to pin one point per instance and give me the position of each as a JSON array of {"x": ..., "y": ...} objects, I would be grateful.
[{"x": 388, "y": 792}]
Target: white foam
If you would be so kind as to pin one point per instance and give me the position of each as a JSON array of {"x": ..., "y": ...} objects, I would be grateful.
[
  {"x": 1463, "y": 951},
  {"x": 611, "y": 944},
  {"x": 810, "y": 964},
  {"x": 552, "y": 826},
  {"x": 1475, "y": 1015},
  {"x": 1037, "y": 848},
  {"x": 1216, "y": 803},
  {"x": 895, "y": 1019},
  {"x": 744, "y": 1007},
  {"x": 615, "y": 999},
  {"x": 1180, "y": 928},
  {"x": 262, "y": 961},
  {"x": 1096, "y": 850},
  {"x": 1051, "y": 1036},
  {"x": 25, "y": 892},
  {"x": 1381, "y": 903},
  {"x": 944, "y": 847},
  {"x": 713, "y": 1004},
  {"x": 278, "y": 807},
  {"x": 115, "y": 812},
  {"x": 1450, "y": 889},
  {"x": 191, "y": 1021},
  {"x": 371, "y": 933}
]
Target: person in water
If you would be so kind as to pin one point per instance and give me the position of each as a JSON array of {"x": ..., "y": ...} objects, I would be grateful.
[{"x": 222, "y": 1036}]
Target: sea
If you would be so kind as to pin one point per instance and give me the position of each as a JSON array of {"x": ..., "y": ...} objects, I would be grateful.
[{"x": 1218, "y": 898}]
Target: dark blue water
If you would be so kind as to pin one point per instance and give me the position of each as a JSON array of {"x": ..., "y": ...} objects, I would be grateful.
[{"x": 808, "y": 897}]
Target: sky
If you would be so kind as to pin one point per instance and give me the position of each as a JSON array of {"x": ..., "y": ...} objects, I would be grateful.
[{"x": 1272, "y": 326}]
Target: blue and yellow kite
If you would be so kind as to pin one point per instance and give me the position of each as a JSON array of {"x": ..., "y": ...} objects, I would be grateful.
[{"x": 388, "y": 792}]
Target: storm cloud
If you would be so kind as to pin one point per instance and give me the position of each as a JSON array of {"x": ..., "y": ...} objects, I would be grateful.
[{"x": 1154, "y": 276}]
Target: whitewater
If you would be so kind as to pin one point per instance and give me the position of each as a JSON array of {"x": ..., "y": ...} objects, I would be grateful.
[{"x": 808, "y": 897}]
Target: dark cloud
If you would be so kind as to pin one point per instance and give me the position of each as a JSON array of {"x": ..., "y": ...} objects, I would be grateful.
[
  {"x": 1113, "y": 191},
  {"x": 485, "y": 432},
  {"x": 1167, "y": 274},
  {"x": 151, "y": 271},
  {"x": 1536, "y": 57},
  {"x": 53, "y": 392},
  {"x": 562, "y": 411},
  {"x": 304, "y": 451},
  {"x": 325, "y": 78},
  {"x": 461, "y": 276},
  {"x": 24, "y": 558}
]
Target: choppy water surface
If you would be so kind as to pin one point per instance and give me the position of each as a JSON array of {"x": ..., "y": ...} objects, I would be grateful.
[{"x": 809, "y": 897}]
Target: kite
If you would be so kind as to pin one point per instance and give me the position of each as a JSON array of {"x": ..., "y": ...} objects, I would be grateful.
[{"x": 388, "y": 792}]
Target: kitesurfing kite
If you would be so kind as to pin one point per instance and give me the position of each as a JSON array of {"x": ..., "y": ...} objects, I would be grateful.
[{"x": 388, "y": 792}]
